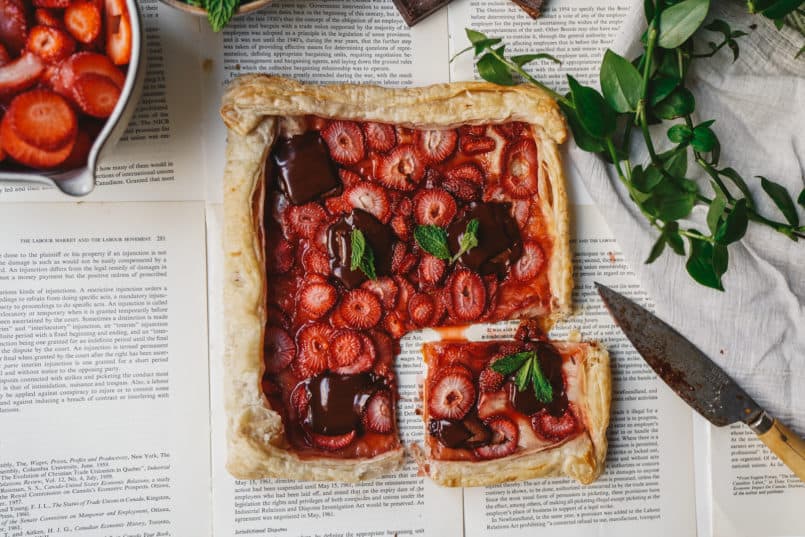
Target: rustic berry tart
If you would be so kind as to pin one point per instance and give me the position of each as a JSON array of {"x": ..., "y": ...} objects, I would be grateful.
[
  {"x": 355, "y": 214},
  {"x": 501, "y": 411}
]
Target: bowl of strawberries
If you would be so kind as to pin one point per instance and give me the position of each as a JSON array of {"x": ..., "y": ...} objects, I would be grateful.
[{"x": 71, "y": 72}]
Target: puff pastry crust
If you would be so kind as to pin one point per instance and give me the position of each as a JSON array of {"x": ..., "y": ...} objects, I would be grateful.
[
  {"x": 253, "y": 108},
  {"x": 581, "y": 458}
]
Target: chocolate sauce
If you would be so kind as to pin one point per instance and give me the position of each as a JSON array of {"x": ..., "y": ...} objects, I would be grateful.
[
  {"x": 499, "y": 243},
  {"x": 339, "y": 246},
  {"x": 467, "y": 433},
  {"x": 337, "y": 401},
  {"x": 550, "y": 362},
  {"x": 303, "y": 168}
]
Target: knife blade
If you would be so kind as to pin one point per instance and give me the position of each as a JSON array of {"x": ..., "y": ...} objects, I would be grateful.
[{"x": 701, "y": 383}]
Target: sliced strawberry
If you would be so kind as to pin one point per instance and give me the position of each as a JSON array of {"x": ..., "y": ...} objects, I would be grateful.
[
  {"x": 520, "y": 168},
  {"x": 512, "y": 130},
  {"x": 315, "y": 261},
  {"x": 96, "y": 95},
  {"x": 475, "y": 145},
  {"x": 522, "y": 212},
  {"x": 43, "y": 119},
  {"x": 52, "y": 4},
  {"x": 490, "y": 380},
  {"x": 398, "y": 253},
  {"x": 28, "y": 154},
  {"x": 530, "y": 263},
  {"x": 462, "y": 189},
  {"x": 345, "y": 140},
  {"x": 363, "y": 362},
  {"x": 13, "y": 25},
  {"x": 421, "y": 308},
  {"x": 345, "y": 349},
  {"x": 80, "y": 153},
  {"x": 316, "y": 299},
  {"x": 452, "y": 368},
  {"x": 83, "y": 21},
  {"x": 118, "y": 32},
  {"x": 313, "y": 342},
  {"x": 401, "y": 227},
  {"x": 332, "y": 443},
  {"x": 380, "y": 136},
  {"x": 554, "y": 428},
  {"x": 436, "y": 145},
  {"x": 360, "y": 308},
  {"x": 467, "y": 172},
  {"x": 406, "y": 291},
  {"x": 378, "y": 414},
  {"x": 451, "y": 397},
  {"x": 472, "y": 130},
  {"x": 300, "y": 401},
  {"x": 385, "y": 289},
  {"x": 305, "y": 220},
  {"x": 280, "y": 258},
  {"x": 50, "y": 44},
  {"x": 48, "y": 17},
  {"x": 467, "y": 294},
  {"x": 4, "y": 56},
  {"x": 394, "y": 324},
  {"x": 385, "y": 348},
  {"x": 504, "y": 438},
  {"x": 371, "y": 198},
  {"x": 349, "y": 178},
  {"x": 431, "y": 269},
  {"x": 270, "y": 388},
  {"x": 82, "y": 63},
  {"x": 400, "y": 169},
  {"x": 278, "y": 348},
  {"x": 20, "y": 74},
  {"x": 434, "y": 207}
]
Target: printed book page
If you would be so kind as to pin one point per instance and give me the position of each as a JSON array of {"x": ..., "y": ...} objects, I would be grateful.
[
  {"x": 157, "y": 157},
  {"x": 103, "y": 370}
]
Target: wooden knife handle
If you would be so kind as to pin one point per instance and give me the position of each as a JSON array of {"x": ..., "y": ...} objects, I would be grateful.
[{"x": 783, "y": 442}]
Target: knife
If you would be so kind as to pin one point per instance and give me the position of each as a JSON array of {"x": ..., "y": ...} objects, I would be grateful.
[{"x": 698, "y": 380}]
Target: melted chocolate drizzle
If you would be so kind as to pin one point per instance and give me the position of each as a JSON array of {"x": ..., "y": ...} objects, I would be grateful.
[
  {"x": 303, "y": 168},
  {"x": 499, "y": 242},
  {"x": 337, "y": 401},
  {"x": 550, "y": 362},
  {"x": 339, "y": 246}
]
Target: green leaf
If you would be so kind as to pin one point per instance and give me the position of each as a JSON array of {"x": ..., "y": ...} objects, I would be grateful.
[
  {"x": 670, "y": 202},
  {"x": 675, "y": 162},
  {"x": 801, "y": 198},
  {"x": 673, "y": 237},
  {"x": 738, "y": 181},
  {"x": 523, "y": 375},
  {"x": 734, "y": 226},
  {"x": 733, "y": 45},
  {"x": 523, "y": 59},
  {"x": 661, "y": 87},
  {"x": 680, "y": 21},
  {"x": 704, "y": 139},
  {"x": 620, "y": 83},
  {"x": 511, "y": 363},
  {"x": 219, "y": 12},
  {"x": 716, "y": 211},
  {"x": 781, "y": 8},
  {"x": 656, "y": 250},
  {"x": 680, "y": 134},
  {"x": 542, "y": 386},
  {"x": 481, "y": 46},
  {"x": 800, "y": 52},
  {"x": 700, "y": 264},
  {"x": 646, "y": 181},
  {"x": 720, "y": 26},
  {"x": 721, "y": 259},
  {"x": 474, "y": 36},
  {"x": 649, "y": 9},
  {"x": 362, "y": 257},
  {"x": 433, "y": 240},
  {"x": 679, "y": 103},
  {"x": 593, "y": 112},
  {"x": 493, "y": 70},
  {"x": 782, "y": 199},
  {"x": 583, "y": 139},
  {"x": 468, "y": 239}
]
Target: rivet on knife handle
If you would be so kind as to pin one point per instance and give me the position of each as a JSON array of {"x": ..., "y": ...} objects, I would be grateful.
[{"x": 785, "y": 443}]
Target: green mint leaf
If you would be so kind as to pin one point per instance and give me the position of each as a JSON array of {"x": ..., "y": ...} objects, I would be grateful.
[
  {"x": 700, "y": 264},
  {"x": 680, "y": 21},
  {"x": 782, "y": 199},
  {"x": 468, "y": 239},
  {"x": 593, "y": 112},
  {"x": 620, "y": 83},
  {"x": 656, "y": 250},
  {"x": 362, "y": 257},
  {"x": 474, "y": 36},
  {"x": 801, "y": 198},
  {"x": 219, "y": 12},
  {"x": 721, "y": 259},
  {"x": 493, "y": 70},
  {"x": 523, "y": 59},
  {"x": 680, "y": 134},
  {"x": 524, "y": 375},
  {"x": 511, "y": 363},
  {"x": 673, "y": 237},
  {"x": 433, "y": 240},
  {"x": 480, "y": 46},
  {"x": 734, "y": 226},
  {"x": 671, "y": 201},
  {"x": 542, "y": 386}
]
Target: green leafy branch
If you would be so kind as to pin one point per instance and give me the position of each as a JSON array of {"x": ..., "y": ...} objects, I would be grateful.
[
  {"x": 526, "y": 369},
  {"x": 648, "y": 91}
]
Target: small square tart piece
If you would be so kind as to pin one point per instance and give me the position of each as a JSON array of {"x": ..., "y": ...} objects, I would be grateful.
[
  {"x": 481, "y": 430},
  {"x": 257, "y": 109}
]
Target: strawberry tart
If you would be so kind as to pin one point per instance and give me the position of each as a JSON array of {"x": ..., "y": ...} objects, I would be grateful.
[{"x": 355, "y": 214}]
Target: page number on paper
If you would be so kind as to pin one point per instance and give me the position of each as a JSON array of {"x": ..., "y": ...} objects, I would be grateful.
[{"x": 160, "y": 238}]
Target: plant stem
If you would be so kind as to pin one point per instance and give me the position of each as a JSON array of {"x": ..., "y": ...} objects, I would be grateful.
[{"x": 523, "y": 73}]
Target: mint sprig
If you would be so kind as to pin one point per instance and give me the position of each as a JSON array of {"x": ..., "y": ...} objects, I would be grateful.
[
  {"x": 433, "y": 239},
  {"x": 363, "y": 257},
  {"x": 526, "y": 369}
]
